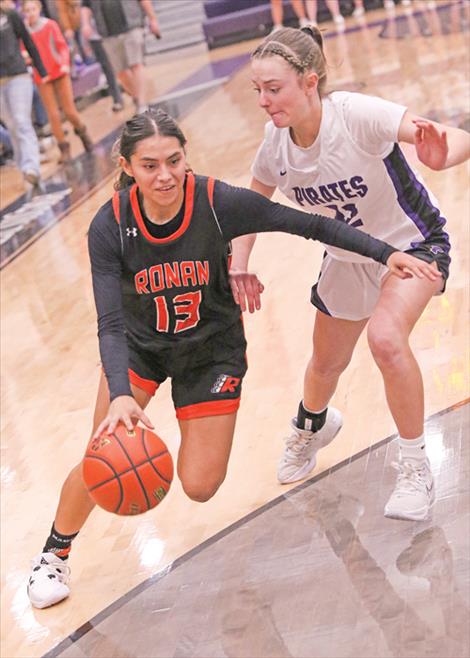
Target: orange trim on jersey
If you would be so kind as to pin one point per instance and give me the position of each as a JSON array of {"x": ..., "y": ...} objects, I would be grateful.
[
  {"x": 210, "y": 190},
  {"x": 146, "y": 385},
  {"x": 116, "y": 208},
  {"x": 201, "y": 409},
  {"x": 188, "y": 213}
]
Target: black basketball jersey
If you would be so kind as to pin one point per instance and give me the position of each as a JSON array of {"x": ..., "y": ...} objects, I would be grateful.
[{"x": 175, "y": 290}]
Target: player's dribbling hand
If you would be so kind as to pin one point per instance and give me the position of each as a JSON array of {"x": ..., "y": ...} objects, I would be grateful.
[
  {"x": 406, "y": 266},
  {"x": 123, "y": 409},
  {"x": 431, "y": 144},
  {"x": 246, "y": 290}
]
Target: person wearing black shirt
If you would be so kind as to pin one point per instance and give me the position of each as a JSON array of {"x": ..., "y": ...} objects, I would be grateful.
[
  {"x": 120, "y": 24},
  {"x": 16, "y": 93},
  {"x": 159, "y": 252}
]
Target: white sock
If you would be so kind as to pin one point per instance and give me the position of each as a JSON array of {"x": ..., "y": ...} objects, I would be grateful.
[
  {"x": 414, "y": 449},
  {"x": 312, "y": 411}
]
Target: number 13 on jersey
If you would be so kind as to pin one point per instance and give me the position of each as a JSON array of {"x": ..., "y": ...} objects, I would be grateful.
[{"x": 185, "y": 305}]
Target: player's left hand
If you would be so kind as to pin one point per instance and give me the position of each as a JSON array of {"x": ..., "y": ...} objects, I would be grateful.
[
  {"x": 431, "y": 144},
  {"x": 246, "y": 290},
  {"x": 405, "y": 266}
]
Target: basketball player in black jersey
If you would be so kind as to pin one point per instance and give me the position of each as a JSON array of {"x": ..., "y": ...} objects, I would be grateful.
[{"x": 159, "y": 252}]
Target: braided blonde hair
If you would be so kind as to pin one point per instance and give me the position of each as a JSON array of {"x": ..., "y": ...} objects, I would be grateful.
[{"x": 301, "y": 49}]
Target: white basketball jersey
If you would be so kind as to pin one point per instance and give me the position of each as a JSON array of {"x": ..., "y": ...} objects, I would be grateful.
[{"x": 354, "y": 171}]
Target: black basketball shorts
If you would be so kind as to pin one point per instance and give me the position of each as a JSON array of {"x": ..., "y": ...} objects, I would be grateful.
[{"x": 206, "y": 382}]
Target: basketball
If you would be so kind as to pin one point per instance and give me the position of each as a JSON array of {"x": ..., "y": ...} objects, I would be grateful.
[{"x": 127, "y": 472}]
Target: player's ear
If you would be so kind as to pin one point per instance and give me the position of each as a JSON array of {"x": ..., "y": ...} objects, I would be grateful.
[
  {"x": 311, "y": 82},
  {"x": 125, "y": 166}
]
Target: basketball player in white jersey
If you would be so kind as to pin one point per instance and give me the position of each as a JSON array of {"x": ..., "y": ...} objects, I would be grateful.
[{"x": 340, "y": 151}]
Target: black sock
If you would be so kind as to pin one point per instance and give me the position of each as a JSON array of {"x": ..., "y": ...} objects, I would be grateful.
[
  {"x": 59, "y": 544},
  {"x": 307, "y": 420}
]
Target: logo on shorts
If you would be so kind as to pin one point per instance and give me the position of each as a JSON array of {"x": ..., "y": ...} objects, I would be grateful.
[
  {"x": 225, "y": 384},
  {"x": 283, "y": 172},
  {"x": 434, "y": 249}
]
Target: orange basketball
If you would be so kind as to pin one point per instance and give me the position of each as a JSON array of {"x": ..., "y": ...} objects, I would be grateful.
[{"x": 127, "y": 472}]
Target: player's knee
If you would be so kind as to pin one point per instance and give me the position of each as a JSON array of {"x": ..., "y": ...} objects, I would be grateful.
[
  {"x": 329, "y": 366},
  {"x": 386, "y": 343},
  {"x": 202, "y": 489}
]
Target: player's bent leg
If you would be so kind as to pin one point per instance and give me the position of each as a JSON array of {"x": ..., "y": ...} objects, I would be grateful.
[
  {"x": 333, "y": 344},
  {"x": 400, "y": 305},
  {"x": 204, "y": 452},
  {"x": 50, "y": 573}
]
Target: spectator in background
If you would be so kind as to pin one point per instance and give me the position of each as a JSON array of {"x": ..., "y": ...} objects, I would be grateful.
[
  {"x": 96, "y": 43},
  {"x": 120, "y": 23},
  {"x": 40, "y": 118},
  {"x": 57, "y": 92},
  {"x": 16, "y": 94},
  {"x": 277, "y": 13},
  {"x": 6, "y": 147},
  {"x": 332, "y": 5},
  {"x": 359, "y": 9},
  {"x": 67, "y": 14}
]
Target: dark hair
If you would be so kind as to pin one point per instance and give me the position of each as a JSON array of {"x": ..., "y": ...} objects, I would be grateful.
[
  {"x": 141, "y": 126},
  {"x": 302, "y": 49}
]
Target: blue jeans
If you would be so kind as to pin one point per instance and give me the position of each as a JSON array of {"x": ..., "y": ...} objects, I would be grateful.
[
  {"x": 16, "y": 98},
  {"x": 39, "y": 112},
  {"x": 5, "y": 140}
]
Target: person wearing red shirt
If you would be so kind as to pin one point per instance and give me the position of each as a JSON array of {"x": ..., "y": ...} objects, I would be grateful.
[{"x": 57, "y": 93}]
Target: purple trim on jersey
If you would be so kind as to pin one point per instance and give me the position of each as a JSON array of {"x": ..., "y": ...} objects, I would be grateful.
[{"x": 407, "y": 186}]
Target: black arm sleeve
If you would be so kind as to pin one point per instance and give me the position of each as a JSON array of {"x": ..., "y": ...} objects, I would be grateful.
[
  {"x": 105, "y": 258},
  {"x": 241, "y": 211},
  {"x": 23, "y": 34}
]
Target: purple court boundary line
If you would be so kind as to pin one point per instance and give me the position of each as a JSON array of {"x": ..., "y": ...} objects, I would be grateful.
[
  {"x": 326, "y": 35},
  {"x": 135, "y": 591}
]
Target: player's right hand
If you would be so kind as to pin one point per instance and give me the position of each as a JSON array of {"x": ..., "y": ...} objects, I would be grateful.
[
  {"x": 246, "y": 290},
  {"x": 405, "y": 266},
  {"x": 123, "y": 409}
]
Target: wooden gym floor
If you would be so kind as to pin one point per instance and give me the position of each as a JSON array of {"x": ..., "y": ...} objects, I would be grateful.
[{"x": 50, "y": 370}]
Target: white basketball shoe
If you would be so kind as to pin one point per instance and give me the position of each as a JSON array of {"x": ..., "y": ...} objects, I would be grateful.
[
  {"x": 414, "y": 493},
  {"x": 300, "y": 453},
  {"x": 47, "y": 583}
]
